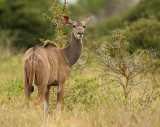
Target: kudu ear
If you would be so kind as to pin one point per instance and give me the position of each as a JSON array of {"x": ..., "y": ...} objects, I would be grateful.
[
  {"x": 88, "y": 20},
  {"x": 66, "y": 20}
]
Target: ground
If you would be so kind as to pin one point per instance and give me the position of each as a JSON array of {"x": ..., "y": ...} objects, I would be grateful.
[{"x": 91, "y": 100}]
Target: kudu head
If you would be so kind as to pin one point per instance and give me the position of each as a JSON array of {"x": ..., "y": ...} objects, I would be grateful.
[{"x": 78, "y": 26}]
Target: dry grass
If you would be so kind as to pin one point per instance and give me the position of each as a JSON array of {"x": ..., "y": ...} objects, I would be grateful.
[{"x": 90, "y": 101}]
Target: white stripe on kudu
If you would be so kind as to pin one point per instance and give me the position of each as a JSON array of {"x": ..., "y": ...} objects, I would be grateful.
[
  {"x": 28, "y": 56},
  {"x": 43, "y": 61}
]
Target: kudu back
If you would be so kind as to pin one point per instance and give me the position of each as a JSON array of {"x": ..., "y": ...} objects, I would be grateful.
[{"x": 49, "y": 66}]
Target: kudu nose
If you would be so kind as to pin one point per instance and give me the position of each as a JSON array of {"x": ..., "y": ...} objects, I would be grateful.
[{"x": 80, "y": 33}]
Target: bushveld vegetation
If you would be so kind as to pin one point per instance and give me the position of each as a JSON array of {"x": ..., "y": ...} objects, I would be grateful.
[
  {"x": 117, "y": 84},
  {"x": 92, "y": 97},
  {"x": 125, "y": 68}
]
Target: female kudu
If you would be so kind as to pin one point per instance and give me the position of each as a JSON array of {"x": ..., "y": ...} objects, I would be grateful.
[{"x": 49, "y": 66}]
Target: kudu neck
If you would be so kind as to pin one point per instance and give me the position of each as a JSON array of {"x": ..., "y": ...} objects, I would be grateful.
[{"x": 73, "y": 50}]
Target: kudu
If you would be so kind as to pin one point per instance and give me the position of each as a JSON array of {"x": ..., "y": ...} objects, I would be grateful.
[{"x": 49, "y": 66}]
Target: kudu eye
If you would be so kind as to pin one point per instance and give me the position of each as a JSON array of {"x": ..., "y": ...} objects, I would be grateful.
[
  {"x": 84, "y": 26},
  {"x": 74, "y": 26}
]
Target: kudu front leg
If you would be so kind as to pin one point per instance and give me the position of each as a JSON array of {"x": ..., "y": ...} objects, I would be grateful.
[{"x": 60, "y": 94}]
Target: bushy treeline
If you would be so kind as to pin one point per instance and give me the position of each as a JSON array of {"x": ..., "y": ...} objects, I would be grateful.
[
  {"x": 142, "y": 24},
  {"x": 145, "y": 9},
  {"x": 25, "y": 19},
  {"x": 100, "y": 8},
  {"x": 25, "y": 16}
]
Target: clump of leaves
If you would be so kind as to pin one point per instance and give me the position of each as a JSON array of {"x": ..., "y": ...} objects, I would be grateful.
[
  {"x": 57, "y": 10},
  {"x": 125, "y": 68},
  {"x": 84, "y": 92}
]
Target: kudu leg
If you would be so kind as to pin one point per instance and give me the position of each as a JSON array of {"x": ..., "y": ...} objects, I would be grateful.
[
  {"x": 41, "y": 94},
  {"x": 60, "y": 94},
  {"x": 27, "y": 91},
  {"x": 46, "y": 101}
]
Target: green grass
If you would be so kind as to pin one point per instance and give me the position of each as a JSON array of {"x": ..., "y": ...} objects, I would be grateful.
[{"x": 90, "y": 100}]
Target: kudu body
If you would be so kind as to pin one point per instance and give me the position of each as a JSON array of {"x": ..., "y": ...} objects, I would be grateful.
[{"x": 49, "y": 66}]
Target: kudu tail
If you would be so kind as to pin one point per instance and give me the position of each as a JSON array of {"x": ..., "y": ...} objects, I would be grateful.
[{"x": 32, "y": 75}]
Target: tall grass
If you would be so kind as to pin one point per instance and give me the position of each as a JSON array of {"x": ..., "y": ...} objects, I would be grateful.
[{"x": 90, "y": 100}]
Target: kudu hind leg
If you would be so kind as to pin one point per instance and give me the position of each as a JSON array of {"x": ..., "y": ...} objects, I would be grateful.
[
  {"x": 60, "y": 94},
  {"x": 41, "y": 94},
  {"x": 46, "y": 101},
  {"x": 27, "y": 91}
]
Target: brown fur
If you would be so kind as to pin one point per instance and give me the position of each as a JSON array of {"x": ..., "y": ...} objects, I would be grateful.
[
  {"x": 47, "y": 42},
  {"x": 49, "y": 66}
]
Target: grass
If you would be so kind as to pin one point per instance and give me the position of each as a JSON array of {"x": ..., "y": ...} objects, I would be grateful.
[{"x": 90, "y": 100}]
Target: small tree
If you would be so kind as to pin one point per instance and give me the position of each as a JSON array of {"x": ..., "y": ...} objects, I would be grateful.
[
  {"x": 57, "y": 10},
  {"x": 124, "y": 68},
  {"x": 7, "y": 40}
]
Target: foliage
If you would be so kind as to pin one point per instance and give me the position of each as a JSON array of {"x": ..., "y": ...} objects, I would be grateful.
[
  {"x": 143, "y": 25},
  {"x": 104, "y": 27},
  {"x": 99, "y": 8},
  {"x": 84, "y": 92},
  {"x": 25, "y": 16},
  {"x": 7, "y": 40},
  {"x": 144, "y": 9},
  {"x": 86, "y": 7},
  {"x": 57, "y": 11},
  {"x": 144, "y": 34},
  {"x": 124, "y": 68}
]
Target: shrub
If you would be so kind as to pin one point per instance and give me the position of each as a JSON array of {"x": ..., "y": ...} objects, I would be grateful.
[
  {"x": 124, "y": 68},
  {"x": 57, "y": 11},
  {"x": 25, "y": 16},
  {"x": 82, "y": 91},
  {"x": 144, "y": 9},
  {"x": 144, "y": 34},
  {"x": 7, "y": 40}
]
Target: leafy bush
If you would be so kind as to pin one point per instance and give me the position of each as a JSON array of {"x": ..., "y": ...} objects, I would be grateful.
[
  {"x": 124, "y": 68},
  {"x": 144, "y": 9},
  {"x": 26, "y": 17},
  {"x": 105, "y": 27},
  {"x": 57, "y": 10},
  {"x": 144, "y": 34},
  {"x": 83, "y": 91},
  {"x": 141, "y": 19}
]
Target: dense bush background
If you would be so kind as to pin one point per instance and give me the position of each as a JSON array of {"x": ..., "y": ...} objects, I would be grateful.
[
  {"x": 26, "y": 18},
  {"x": 93, "y": 98}
]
